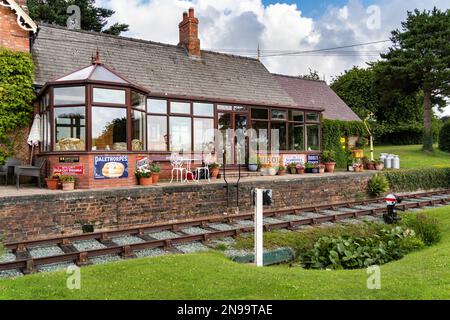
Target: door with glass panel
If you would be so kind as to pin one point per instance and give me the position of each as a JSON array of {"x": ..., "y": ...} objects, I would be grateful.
[{"x": 233, "y": 123}]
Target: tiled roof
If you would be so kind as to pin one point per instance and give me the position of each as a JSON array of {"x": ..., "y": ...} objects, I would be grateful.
[
  {"x": 310, "y": 93},
  {"x": 160, "y": 68}
]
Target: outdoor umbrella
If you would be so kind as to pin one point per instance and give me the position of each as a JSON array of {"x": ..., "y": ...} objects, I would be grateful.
[{"x": 35, "y": 135}]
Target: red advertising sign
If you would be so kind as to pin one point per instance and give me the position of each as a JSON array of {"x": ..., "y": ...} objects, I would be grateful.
[{"x": 69, "y": 170}]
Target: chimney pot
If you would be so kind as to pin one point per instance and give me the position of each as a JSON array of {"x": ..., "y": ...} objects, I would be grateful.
[
  {"x": 189, "y": 33},
  {"x": 191, "y": 12},
  {"x": 185, "y": 15}
]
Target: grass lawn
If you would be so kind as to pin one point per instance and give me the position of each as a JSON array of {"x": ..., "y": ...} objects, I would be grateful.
[
  {"x": 420, "y": 275},
  {"x": 413, "y": 156}
]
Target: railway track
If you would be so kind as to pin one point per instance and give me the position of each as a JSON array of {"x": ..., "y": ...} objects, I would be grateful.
[{"x": 32, "y": 256}]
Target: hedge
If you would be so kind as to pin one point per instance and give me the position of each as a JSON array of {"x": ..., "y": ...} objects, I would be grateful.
[
  {"x": 16, "y": 95},
  {"x": 423, "y": 179},
  {"x": 334, "y": 130},
  {"x": 444, "y": 138}
]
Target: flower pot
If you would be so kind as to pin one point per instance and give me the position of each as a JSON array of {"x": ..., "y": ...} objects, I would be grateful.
[
  {"x": 379, "y": 167},
  {"x": 281, "y": 172},
  {"x": 351, "y": 168},
  {"x": 52, "y": 184},
  {"x": 330, "y": 166},
  {"x": 145, "y": 181},
  {"x": 300, "y": 171},
  {"x": 252, "y": 167},
  {"x": 370, "y": 166},
  {"x": 308, "y": 170},
  {"x": 272, "y": 171},
  {"x": 214, "y": 173},
  {"x": 322, "y": 170},
  {"x": 155, "y": 178},
  {"x": 292, "y": 171},
  {"x": 315, "y": 170},
  {"x": 68, "y": 186}
]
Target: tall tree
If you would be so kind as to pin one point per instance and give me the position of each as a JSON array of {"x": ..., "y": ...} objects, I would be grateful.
[
  {"x": 420, "y": 61},
  {"x": 92, "y": 18}
]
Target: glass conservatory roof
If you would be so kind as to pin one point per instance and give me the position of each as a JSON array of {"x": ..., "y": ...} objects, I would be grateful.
[{"x": 95, "y": 72}]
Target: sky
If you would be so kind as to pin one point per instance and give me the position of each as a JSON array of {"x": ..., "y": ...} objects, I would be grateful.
[{"x": 278, "y": 27}]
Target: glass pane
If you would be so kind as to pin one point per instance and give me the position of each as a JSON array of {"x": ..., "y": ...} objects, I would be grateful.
[
  {"x": 298, "y": 116},
  {"x": 204, "y": 135},
  {"x": 279, "y": 115},
  {"x": 69, "y": 95},
  {"x": 156, "y": 106},
  {"x": 240, "y": 109},
  {"x": 296, "y": 137},
  {"x": 262, "y": 130},
  {"x": 109, "y": 96},
  {"x": 137, "y": 100},
  {"x": 47, "y": 134},
  {"x": 180, "y": 107},
  {"x": 312, "y": 117},
  {"x": 180, "y": 134},
  {"x": 138, "y": 131},
  {"x": 225, "y": 108},
  {"x": 282, "y": 134},
  {"x": 225, "y": 123},
  {"x": 47, "y": 100},
  {"x": 157, "y": 133},
  {"x": 240, "y": 122},
  {"x": 103, "y": 74},
  {"x": 203, "y": 109},
  {"x": 109, "y": 129},
  {"x": 313, "y": 135},
  {"x": 78, "y": 75},
  {"x": 262, "y": 114},
  {"x": 70, "y": 129},
  {"x": 42, "y": 144}
]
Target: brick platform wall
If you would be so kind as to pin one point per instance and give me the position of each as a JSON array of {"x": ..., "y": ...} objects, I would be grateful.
[{"x": 41, "y": 216}]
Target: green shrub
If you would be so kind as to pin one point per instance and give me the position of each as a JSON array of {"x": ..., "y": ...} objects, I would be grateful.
[
  {"x": 413, "y": 180},
  {"x": 329, "y": 156},
  {"x": 378, "y": 185},
  {"x": 444, "y": 138},
  {"x": 426, "y": 228}
]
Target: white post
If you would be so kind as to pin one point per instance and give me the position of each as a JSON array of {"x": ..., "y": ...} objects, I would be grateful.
[{"x": 259, "y": 248}]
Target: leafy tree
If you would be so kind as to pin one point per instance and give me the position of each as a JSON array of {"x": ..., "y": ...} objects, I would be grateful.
[
  {"x": 92, "y": 18},
  {"x": 313, "y": 75},
  {"x": 420, "y": 61}
]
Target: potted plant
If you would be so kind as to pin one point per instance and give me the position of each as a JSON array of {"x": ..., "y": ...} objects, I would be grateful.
[
  {"x": 309, "y": 168},
  {"x": 329, "y": 160},
  {"x": 155, "y": 169},
  {"x": 53, "y": 181},
  {"x": 214, "y": 169},
  {"x": 272, "y": 171},
  {"x": 321, "y": 168},
  {"x": 253, "y": 165},
  {"x": 358, "y": 167},
  {"x": 281, "y": 170},
  {"x": 300, "y": 169},
  {"x": 144, "y": 176},
  {"x": 292, "y": 167},
  {"x": 370, "y": 165},
  {"x": 68, "y": 183},
  {"x": 379, "y": 165}
]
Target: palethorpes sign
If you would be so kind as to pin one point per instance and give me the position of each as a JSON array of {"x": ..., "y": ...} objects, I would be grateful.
[{"x": 110, "y": 167}]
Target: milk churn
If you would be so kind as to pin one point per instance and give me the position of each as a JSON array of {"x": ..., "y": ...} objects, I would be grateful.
[
  {"x": 388, "y": 162},
  {"x": 396, "y": 162}
]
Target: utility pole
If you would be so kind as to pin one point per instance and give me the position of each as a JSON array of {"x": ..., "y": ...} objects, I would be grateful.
[{"x": 259, "y": 52}]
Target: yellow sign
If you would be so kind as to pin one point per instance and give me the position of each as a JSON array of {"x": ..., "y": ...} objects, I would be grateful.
[{"x": 343, "y": 140}]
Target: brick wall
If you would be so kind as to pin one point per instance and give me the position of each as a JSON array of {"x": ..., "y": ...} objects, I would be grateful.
[
  {"x": 11, "y": 35},
  {"x": 51, "y": 215}
]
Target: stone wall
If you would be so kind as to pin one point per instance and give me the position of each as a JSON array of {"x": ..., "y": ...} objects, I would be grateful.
[{"x": 32, "y": 217}]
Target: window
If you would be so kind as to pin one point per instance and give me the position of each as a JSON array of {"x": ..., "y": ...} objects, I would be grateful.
[
  {"x": 47, "y": 135},
  {"x": 312, "y": 117},
  {"x": 109, "y": 129},
  {"x": 137, "y": 101},
  {"x": 109, "y": 96},
  {"x": 296, "y": 137},
  {"x": 156, "y": 106},
  {"x": 203, "y": 135},
  {"x": 70, "y": 129},
  {"x": 313, "y": 136},
  {"x": 240, "y": 109},
  {"x": 279, "y": 115},
  {"x": 225, "y": 108},
  {"x": 180, "y": 134},
  {"x": 297, "y": 116},
  {"x": 69, "y": 95},
  {"x": 157, "y": 133},
  {"x": 260, "y": 114},
  {"x": 203, "y": 110},
  {"x": 282, "y": 134},
  {"x": 138, "y": 127},
  {"x": 180, "y": 107}
]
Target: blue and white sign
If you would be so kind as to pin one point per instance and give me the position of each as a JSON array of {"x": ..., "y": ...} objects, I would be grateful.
[
  {"x": 313, "y": 159},
  {"x": 110, "y": 167}
]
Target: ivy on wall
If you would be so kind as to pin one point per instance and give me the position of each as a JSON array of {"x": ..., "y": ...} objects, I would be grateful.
[
  {"x": 421, "y": 179},
  {"x": 16, "y": 95},
  {"x": 334, "y": 130}
]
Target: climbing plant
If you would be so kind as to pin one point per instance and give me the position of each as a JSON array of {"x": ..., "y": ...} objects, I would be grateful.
[
  {"x": 334, "y": 130},
  {"x": 16, "y": 95}
]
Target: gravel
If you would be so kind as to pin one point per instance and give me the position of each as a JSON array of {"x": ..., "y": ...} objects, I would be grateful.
[
  {"x": 347, "y": 210},
  {"x": 290, "y": 217},
  {"x": 311, "y": 215},
  {"x": 369, "y": 219},
  {"x": 55, "y": 267},
  {"x": 88, "y": 245},
  {"x": 245, "y": 223},
  {"x": 163, "y": 235},
  {"x": 10, "y": 274},
  {"x": 41, "y": 252},
  {"x": 150, "y": 253},
  {"x": 195, "y": 231},
  {"x": 229, "y": 241},
  {"x": 7, "y": 257},
  {"x": 272, "y": 220},
  {"x": 330, "y": 212},
  {"x": 127, "y": 240},
  {"x": 191, "y": 247},
  {"x": 221, "y": 226},
  {"x": 104, "y": 259}
]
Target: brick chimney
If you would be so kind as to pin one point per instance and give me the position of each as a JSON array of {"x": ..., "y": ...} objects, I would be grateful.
[
  {"x": 12, "y": 36},
  {"x": 189, "y": 33}
]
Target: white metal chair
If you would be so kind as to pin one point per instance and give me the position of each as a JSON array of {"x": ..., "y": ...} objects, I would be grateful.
[
  {"x": 177, "y": 167},
  {"x": 206, "y": 161}
]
